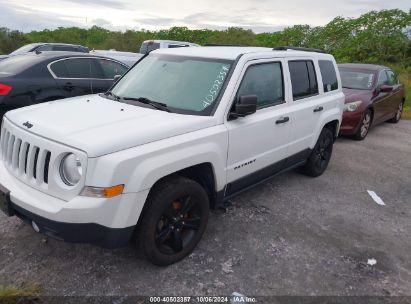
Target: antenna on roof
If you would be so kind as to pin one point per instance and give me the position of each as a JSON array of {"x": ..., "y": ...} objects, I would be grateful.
[{"x": 295, "y": 48}]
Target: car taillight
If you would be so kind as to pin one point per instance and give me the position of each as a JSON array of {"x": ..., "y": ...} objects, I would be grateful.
[{"x": 5, "y": 89}]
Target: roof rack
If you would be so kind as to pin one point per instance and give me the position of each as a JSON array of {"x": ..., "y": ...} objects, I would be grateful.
[{"x": 295, "y": 48}]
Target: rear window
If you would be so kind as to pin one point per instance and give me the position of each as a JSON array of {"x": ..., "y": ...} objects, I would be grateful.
[
  {"x": 303, "y": 78},
  {"x": 329, "y": 76},
  {"x": 16, "y": 64}
]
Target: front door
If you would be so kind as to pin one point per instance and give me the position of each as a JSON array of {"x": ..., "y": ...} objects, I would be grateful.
[
  {"x": 383, "y": 101},
  {"x": 258, "y": 143},
  {"x": 396, "y": 96}
]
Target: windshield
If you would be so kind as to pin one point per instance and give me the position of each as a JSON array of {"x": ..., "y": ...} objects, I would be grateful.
[
  {"x": 360, "y": 80},
  {"x": 24, "y": 49},
  {"x": 187, "y": 85}
]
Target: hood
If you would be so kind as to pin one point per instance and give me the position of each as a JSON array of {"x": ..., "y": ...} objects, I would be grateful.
[
  {"x": 101, "y": 126},
  {"x": 355, "y": 94}
]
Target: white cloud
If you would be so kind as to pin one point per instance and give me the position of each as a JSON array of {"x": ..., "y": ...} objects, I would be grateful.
[{"x": 263, "y": 15}]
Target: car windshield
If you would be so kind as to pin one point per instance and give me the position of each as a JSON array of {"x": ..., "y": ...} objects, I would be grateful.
[
  {"x": 24, "y": 49},
  {"x": 187, "y": 85},
  {"x": 360, "y": 80}
]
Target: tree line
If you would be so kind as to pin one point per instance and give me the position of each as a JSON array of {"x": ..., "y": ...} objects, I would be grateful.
[{"x": 377, "y": 36}]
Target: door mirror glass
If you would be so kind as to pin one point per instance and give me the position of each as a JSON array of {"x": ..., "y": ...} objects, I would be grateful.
[
  {"x": 386, "y": 88},
  {"x": 246, "y": 105}
]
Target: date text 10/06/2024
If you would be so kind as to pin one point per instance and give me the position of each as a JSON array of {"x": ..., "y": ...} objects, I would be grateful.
[{"x": 234, "y": 298}]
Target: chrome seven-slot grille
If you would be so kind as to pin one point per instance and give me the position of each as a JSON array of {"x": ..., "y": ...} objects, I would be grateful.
[{"x": 25, "y": 159}]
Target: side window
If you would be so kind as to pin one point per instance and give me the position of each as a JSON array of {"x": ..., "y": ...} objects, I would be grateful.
[
  {"x": 382, "y": 79},
  {"x": 111, "y": 68},
  {"x": 303, "y": 78},
  {"x": 80, "y": 68},
  {"x": 392, "y": 78},
  {"x": 173, "y": 46},
  {"x": 328, "y": 75},
  {"x": 74, "y": 68},
  {"x": 64, "y": 48},
  {"x": 265, "y": 81},
  {"x": 45, "y": 48},
  {"x": 59, "y": 69}
]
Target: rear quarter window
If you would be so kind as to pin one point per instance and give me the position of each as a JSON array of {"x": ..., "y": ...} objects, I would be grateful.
[
  {"x": 59, "y": 69},
  {"x": 328, "y": 75}
]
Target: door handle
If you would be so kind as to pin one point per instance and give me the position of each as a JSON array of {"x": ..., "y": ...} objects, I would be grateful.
[
  {"x": 318, "y": 109},
  {"x": 68, "y": 86},
  {"x": 282, "y": 120}
]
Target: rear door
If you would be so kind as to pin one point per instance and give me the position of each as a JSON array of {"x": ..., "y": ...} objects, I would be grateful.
[
  {"x": 106, "y": 69},
  {"x": 312, "y": 95},
  {"x": 74, "y": 75}
]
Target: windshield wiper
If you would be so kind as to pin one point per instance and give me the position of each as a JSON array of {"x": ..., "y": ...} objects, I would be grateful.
[
  {"x": 109, "y": 93},
  {"x": 157, "y": 105}
]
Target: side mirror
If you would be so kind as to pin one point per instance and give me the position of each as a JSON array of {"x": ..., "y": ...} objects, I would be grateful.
[
  {"x": 246, "y": 105},
  {"x": 117, "y": 78},
  {"x": 386, "y": 88}
]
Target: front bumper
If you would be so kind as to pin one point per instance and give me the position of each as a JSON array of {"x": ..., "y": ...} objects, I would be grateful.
[
  {"x": 350, "y": 123},
  {"x": 106, "y": 222}
]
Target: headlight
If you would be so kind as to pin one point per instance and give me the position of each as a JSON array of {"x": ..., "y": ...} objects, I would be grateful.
[
  {"x": 352, "y": 106},
  {"x": 71, "y": 170}
]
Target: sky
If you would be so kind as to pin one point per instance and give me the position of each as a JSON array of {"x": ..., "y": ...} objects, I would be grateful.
[{"x": 258, "y": 15}]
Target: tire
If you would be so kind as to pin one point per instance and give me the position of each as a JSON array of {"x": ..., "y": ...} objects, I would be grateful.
[
  {"x": 365, "y": 126},
  {"x": 174, "y": 220},
  {"x": 398, "y": 114},
  {"x": 320, "y": 156}
]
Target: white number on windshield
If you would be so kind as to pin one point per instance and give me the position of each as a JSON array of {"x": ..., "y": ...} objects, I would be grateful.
[{"x": 216, "y": 86}]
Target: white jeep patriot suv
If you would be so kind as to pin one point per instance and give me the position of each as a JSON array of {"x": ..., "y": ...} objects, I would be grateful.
[{"x": 182, "y": 131}]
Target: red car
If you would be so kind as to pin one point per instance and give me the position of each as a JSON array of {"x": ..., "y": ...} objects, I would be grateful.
[{"x": 373, "y": 95}]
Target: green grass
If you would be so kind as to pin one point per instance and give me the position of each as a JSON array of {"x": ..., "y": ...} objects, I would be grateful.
[{"x": 25, "y": 290}]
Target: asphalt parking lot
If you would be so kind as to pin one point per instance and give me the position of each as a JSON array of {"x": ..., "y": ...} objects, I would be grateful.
[{"x": 293, "y": 235}]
